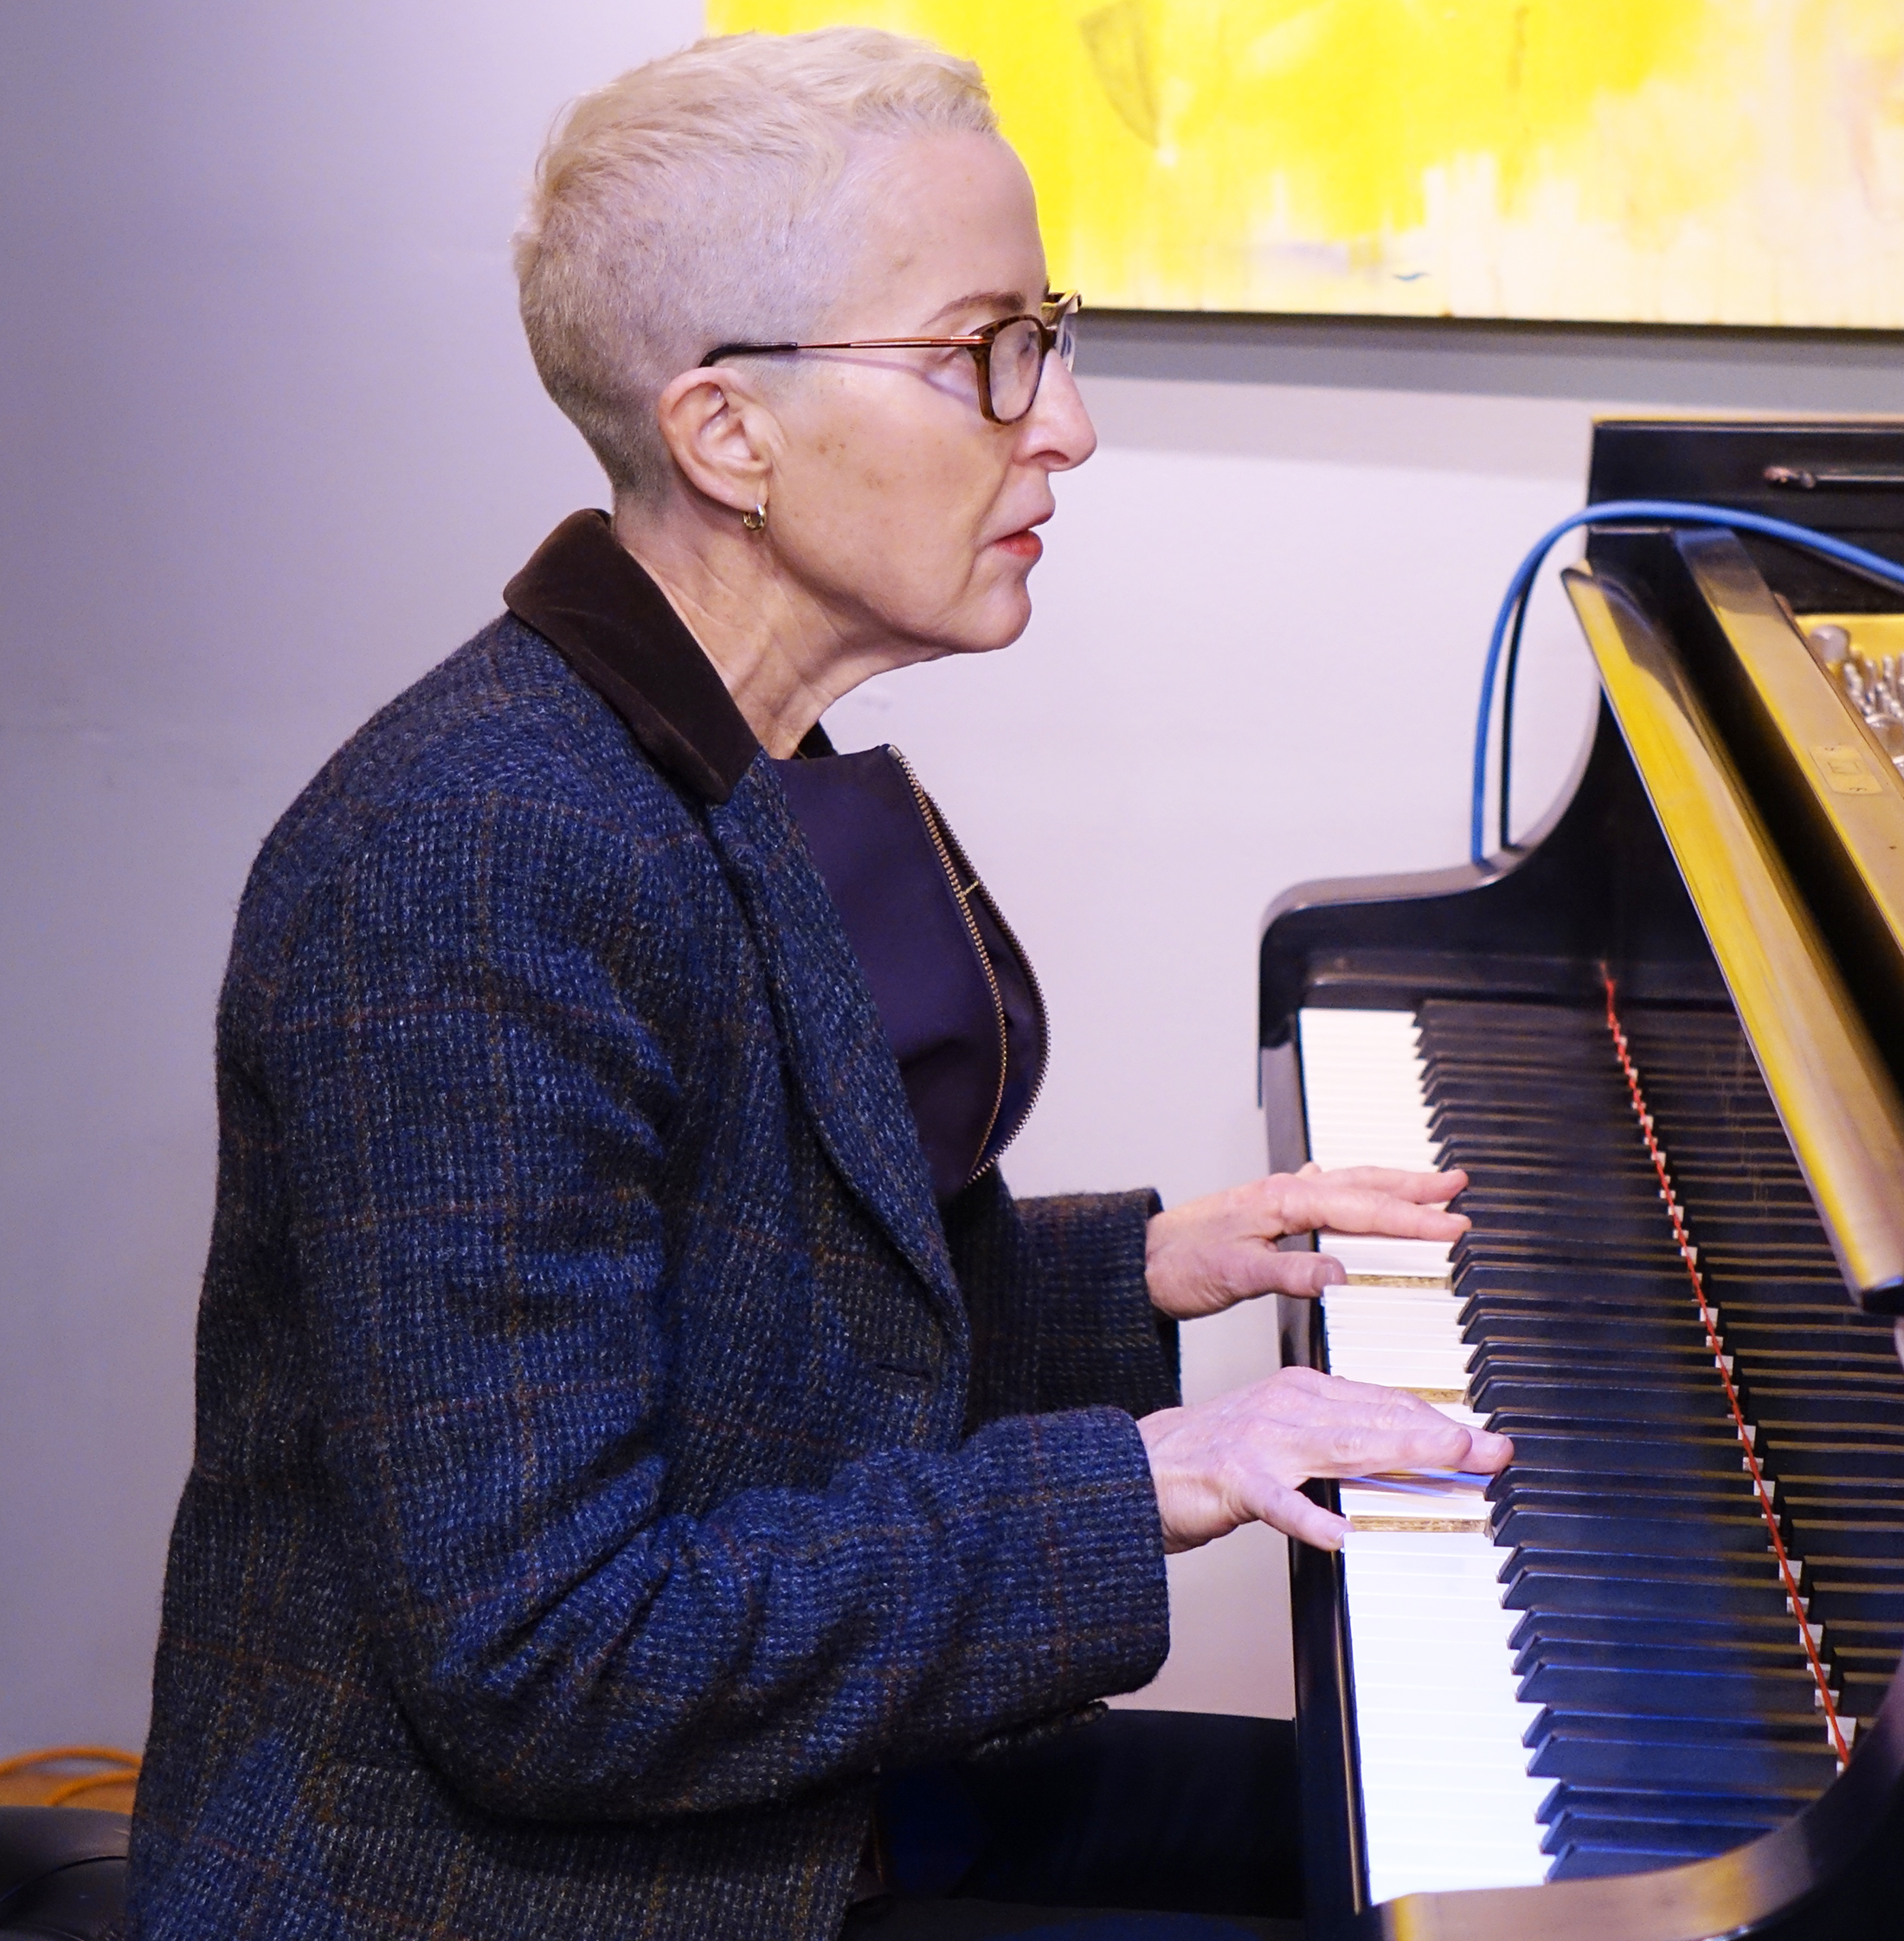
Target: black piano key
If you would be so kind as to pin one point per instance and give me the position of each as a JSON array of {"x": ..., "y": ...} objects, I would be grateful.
[
  {"x": 1628, "y": 1337},
  {"x": 1513, "y": 1249},
  {"x": 1534, "y": 1102},
  {"x": 1704, "y": 1693},
  {"x": 1601, "y": 1591},
  {"x": 1580, "y": 1443},
  {"x": 1782, "y": 1424},
  {"x": 1865, "y": 1679},
  {"x": 1624, "y": 1566},
  {"x": 1828, "y": 1418},
  {"x": 1837, "y": 1600},
  {"x": 1586, "y": 1862},
  {"x": 1691, "y": 1361},
  {"x": 1833, "y": 1368},
  {"x": 1696, "y": 1626},
  {"x": 1829, "y": 1378},
  {"x": 1661, "y": 1401},
  {"x": 1719, "y": 1491},
  {"x": 1875, "y": 1539},
  {"x": 1680, "y": 1839},
  {"x": 1596, "y": 1223},
  {"x": 1554, "y": 1286},
  {"x": 1725, "y": 1808},
  {"x": 1705, "y": 1763},
  {"x": 1639, "y": 1535},
  {"x": 1663, "y": 1649},
  {"x": 1526, "y": 1176},
  {"x": 1524, "y": 1291},
  {"x": 1536, "y": 1320},
  {"x": 1749, "y": 1733},
  {"x": 1754, "y": 1328},
  {"x": 1731, "y": 1506},
  {"x": 1816, "y": 1461},
  {"x": 1786, "y": 1303},
  {"x": 1823, "y": 1563},
  {"x": 1480, "y": 1109}
]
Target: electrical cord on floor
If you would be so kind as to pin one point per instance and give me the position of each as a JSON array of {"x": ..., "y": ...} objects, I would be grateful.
[
  {"x": 122, "y": 1769},
  {"x": 1504, "y": 643}
]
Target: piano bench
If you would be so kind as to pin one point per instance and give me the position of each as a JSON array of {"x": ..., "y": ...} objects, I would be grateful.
[{"x": 63, "y": 1872}]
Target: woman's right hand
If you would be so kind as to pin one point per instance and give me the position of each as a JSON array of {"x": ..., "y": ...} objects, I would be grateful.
[{"x": 1242, "y": 1457}]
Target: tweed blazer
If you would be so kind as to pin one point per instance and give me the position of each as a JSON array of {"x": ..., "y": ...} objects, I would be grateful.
[{"x": 608, "y": 1458}]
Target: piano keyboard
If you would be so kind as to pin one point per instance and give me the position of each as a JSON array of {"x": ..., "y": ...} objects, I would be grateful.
[{"x": 1593, "y": 1668}]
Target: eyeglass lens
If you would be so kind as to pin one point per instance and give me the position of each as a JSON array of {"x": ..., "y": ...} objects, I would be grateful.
[{"x": 1018, "y": 360}]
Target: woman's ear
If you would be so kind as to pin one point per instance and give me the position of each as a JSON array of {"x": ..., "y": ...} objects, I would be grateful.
[{"x": 721, "y": 434}]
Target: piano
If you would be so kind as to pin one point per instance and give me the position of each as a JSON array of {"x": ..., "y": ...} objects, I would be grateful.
[{"x": 1642, "y": 1686}]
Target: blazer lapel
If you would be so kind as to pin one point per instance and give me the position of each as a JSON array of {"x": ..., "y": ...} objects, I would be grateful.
[
  {"x": 842, "y": 1063},
  {"x": 590, "y": 599}
]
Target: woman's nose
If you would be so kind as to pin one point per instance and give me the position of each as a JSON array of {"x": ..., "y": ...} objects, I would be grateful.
[{"x": 1057, "y": 430}]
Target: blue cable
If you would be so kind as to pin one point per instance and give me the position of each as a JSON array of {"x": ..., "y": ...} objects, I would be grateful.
[{"x": 1619, "y": 511}]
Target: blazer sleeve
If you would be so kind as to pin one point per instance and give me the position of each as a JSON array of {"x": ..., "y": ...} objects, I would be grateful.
[
  {"x": 473, "y": 1110},
  {"x": 1061, "y": 1314}
]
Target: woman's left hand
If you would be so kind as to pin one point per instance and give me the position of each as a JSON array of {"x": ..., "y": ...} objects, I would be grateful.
[{"x": 1210, "y": 1253}]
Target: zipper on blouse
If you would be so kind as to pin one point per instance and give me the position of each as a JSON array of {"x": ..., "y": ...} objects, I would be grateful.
[
  {"x": 957, "y": 865},
  {"x": 1038, "y": 1004}
]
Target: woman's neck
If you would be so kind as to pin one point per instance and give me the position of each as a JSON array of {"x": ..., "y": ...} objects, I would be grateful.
[{"x": 781, "y": 655}]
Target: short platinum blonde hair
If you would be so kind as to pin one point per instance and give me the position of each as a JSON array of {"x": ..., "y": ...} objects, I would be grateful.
[{"x": 707, "y": 198}]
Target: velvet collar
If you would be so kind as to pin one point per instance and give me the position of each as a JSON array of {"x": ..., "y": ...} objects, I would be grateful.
[{"x": 585, "y": 591}]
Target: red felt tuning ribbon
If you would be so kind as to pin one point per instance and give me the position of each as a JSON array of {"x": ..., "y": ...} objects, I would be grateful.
[{"x": 1689, "y": 1254}]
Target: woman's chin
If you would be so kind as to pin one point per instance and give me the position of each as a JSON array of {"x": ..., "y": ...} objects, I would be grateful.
[
  {"x": 1004, "y": 617},
  {"x": 998, "y": 625}
]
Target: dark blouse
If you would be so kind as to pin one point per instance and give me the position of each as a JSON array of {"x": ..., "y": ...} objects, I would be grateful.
[
  {"x": 955, "y": 992},
  {"x": 956, "y": 996}
]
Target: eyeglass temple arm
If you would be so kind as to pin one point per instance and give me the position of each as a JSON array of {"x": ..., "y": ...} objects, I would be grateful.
[
  {"x": 749, "y": 350},
  {"x": 1057, "y": 303}
]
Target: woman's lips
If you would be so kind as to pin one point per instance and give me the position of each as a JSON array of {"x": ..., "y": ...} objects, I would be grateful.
[{"x": 1022, "y": 545}]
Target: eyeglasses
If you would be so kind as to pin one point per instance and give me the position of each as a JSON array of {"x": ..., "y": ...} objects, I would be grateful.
[{"x": 1010, "y": 354}]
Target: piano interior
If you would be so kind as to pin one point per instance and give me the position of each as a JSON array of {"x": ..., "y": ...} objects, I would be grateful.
[{"x": 1642, "y": 1685}]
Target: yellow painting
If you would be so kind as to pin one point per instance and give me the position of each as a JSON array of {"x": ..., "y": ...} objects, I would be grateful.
[{"x": 1647, "y": 161}]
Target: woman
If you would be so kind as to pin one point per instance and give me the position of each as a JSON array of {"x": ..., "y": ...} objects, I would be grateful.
[{"x": 634, "y": 1415}]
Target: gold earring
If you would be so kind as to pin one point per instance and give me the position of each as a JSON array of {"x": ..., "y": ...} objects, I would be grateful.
[{"x": 755, "y": 520}]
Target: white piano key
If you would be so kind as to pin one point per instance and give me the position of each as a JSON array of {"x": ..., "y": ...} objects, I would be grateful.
[
  {"x": 1447, "y": 1802},
  {"x": 1401, "y": 1337},
  {"x": 1361, "y": 1104},
  {"x": 1387, "y": 1501},
  {"x": 1378, "y": 1256}
]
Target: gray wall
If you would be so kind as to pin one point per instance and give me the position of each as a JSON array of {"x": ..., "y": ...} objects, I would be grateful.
[{"x": 270, "y": 446}]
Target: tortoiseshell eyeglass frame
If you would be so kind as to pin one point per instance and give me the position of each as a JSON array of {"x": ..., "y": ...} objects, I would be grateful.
[{"x": 1057, "y": 330}]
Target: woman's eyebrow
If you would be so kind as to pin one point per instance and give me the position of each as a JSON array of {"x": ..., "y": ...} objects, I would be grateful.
[{"x": 1002, "y": 302}]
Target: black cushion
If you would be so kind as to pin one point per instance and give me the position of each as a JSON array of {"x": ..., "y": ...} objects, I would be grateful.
[{"x": 63, "y": 1872}]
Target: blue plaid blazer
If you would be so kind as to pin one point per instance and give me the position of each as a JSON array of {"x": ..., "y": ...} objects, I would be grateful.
[{"x": 607, "y": 1457}]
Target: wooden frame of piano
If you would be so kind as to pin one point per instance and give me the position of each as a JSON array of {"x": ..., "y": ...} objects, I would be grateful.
[{"x": 1705, "y": 857}]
